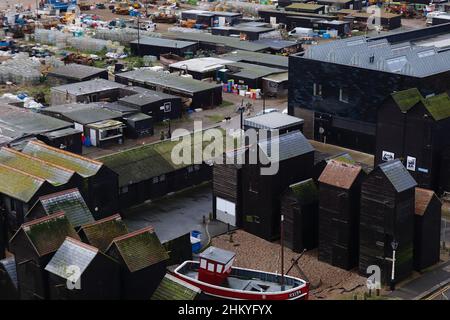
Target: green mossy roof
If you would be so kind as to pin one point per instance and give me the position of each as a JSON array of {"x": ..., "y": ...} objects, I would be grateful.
[
  {"x": 19, "y": 185},
  {"x": 102, "y": 233},
  {"x": 171, "y": 288},
  {"x": 306, "y": 191},
  {"x": 438, "y": 106}
]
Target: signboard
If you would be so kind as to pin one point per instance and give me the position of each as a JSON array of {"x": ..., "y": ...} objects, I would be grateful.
[
  {"x": 411, "y": 163},
  {"x": 387, "y": 156}
]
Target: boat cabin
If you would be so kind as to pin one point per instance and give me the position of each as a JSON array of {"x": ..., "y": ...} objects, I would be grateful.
[{"x": 215, "y": 265}]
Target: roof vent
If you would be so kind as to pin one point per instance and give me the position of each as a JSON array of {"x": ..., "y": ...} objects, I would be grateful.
[{"x": 372, "y": 58}]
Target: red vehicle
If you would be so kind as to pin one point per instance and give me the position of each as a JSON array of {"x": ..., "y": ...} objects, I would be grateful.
[{"x": 216, "y": 277}]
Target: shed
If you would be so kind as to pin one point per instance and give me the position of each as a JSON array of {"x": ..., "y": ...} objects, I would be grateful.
[
  {"x": 159, "y": 105},
  {"x": 179, "y": 249},
  {"x": 321, "y": 161},
  {"x": 200, "y": 68},
  {"x": 172, "y": 288},
  {"x": 300, "y": 208},
  {"x": 274, "y": 121},
  {"x": 9, "y": 289},
  {"x": 306, "y": 7},
  {"x": 95, "y": 90},
  {"x": 138, "y": 125},
  {"x": 339, "y": 198},
  {"x": 33, "y": 245},
  {"x": 387, "y": 214},
  {"x": 201, "y": 94},
  {"x": 143, "y": 260},
  {"x": 68, "y": 139},
  {"x": 427, "y": 229},
  {"x": 152, "y": 46},
  {"x": 70, "y": 202},
  {"x": 275, "y": 85},
  {"x": 291, "y": 157},
  {"x": 249, "y": 74},
  {"x": 411, "y": 127},
  {"x": 101, "y": 233},
  {"x": 73, "y": 72},
  {"x": 100, "y": 184},
  {"x": 92, "y": 274}
]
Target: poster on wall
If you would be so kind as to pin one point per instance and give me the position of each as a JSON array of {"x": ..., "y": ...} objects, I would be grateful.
[
  {"x": 411, "y": 163},
  {"x": 387, "y": 156}
]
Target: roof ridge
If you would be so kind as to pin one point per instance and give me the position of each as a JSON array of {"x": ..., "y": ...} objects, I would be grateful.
[
  {"x": 22, "y": 172},
  {"x": 70, "y": 154},
  {"x": 110, "y": 218},
  {"x": 55, "y": 194},
  {"x": 134, "y": 233},
  {"x": 82, "y": 244},
  {"x": 42, "y": 219},
  {"x": 21, "y": 154}
]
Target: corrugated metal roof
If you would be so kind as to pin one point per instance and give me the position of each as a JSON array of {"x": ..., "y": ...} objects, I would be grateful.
[
  {"x": 258, "y": 57},
  {"x": 9, "y": 266},
  {"x": 88, "y": 87},
  {"x": 272, "y": 121},
  {"x": 83, "y": 166},
  {"x": 18, "y": 184},
  {"x": 147, "y": 97},
  {"x": 48, "y": 233},
  {"x": 72, "y": 253},
  {"x": 166, "y": 43},
  {"x": 101, "y": 233},
  {"x": 340, "y": 174},
  {"x": 423, "y": 199},
  {"x": 76, "y": 71},
  {"x": 252, "y": 71},
  {"x": 397, "y": 174},
  {"x": 140, "y": 249},
  {"x": 70, "y": 202},
  {"x": 53, "y": 174},
  {"x": 84, "y": 113},
  {"x": 172, "y": 288},
  {"x": 288, "y": 145},
  {"x": 172, "y": 81}
]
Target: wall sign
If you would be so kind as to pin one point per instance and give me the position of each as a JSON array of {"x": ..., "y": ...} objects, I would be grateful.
[
  {"x": 411, "y": 163},
  {"x": 387, "y": 156}
]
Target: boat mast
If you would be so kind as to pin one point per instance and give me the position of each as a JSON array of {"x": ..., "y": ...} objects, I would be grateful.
[{"x": 282, "y": 251}]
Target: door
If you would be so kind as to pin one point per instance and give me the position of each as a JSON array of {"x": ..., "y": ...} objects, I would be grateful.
[{"x": 226, "y": 211}]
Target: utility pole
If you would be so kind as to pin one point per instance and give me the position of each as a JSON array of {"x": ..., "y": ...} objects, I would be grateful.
[{"x": 394, "y": 245}]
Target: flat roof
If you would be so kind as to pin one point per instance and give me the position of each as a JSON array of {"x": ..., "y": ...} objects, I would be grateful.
[
  {"x": 305, "y": 6},
  {"x": 253, "y": 71},
  {"x": 201, "y": 64},
  {"x": 257, "y": 57},
  {"x": 61, "y": 133},
  {"x": 273, "y": 121},
  {"x": 218, "y": 40},
  {"x": 76, "y": 71},
  {"x": 276, "y": 43},
  {"x": 161, "y": 42},
  {"x": 84, "y": 113},
  {"x": 146, "y": 97},
  {"x": 168, "y": 80},
  {"x": 88, "y": 87},
  {"x": 18, "y": 122}
]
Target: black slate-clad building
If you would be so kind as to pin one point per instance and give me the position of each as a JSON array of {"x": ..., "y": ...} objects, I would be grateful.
[
  {"x": 152, "y": 46},
  {"x": 67, "y": 139},
  {"x": 337, "y": 87},
  {"x": 92, "y": 274},
  {"x": 8, "y": 280},
  {"x": 261, "y": 192},
  {"x": 70, "y": 202},
  {"x": 71, "y": 73},
  {"x": 414, "y": 128},
  {"x": 143, "y": 260},
  {"x": 100, "y": 184},
  {"x": 387, "y": 215},
  {"x": 339, "y": 196},
  {"x": 33, "y": 245},
  {"x": 300, "y": 207},
  {"x": 427, "y": 229}
]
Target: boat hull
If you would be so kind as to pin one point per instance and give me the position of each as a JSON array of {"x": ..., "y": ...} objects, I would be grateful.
[{"x": 297, "y": 293}]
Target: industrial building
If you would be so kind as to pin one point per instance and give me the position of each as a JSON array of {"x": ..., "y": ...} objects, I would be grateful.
[
  {"x": 71, "y": 73},
  {"x": 152, "y": 46}
]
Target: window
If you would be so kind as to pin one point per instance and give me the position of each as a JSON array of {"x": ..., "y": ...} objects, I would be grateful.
[
  {"x": 219, "y": 268},
  {"x": 124, "y": 189},
  {"x": 13, "y": 205},
  {"x": 210, "y": 267},
  {"x": 196, "y": 167},
  {"x": 190, "y": 169},
  {"x": 343, "y": 95},
  {"x": 203, "y": 264},
  {"x": 317, "y": 90},
  {"x": 167, "y": 106},
  {"x": 155, "y": 180},
  {"x": 162, "y": 178}
]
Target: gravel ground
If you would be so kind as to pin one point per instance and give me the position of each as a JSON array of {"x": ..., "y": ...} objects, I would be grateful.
[{"x": 256, "y": 253}]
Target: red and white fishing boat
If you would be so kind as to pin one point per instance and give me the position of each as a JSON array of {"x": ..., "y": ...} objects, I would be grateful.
[{"x": 215, "y": 275}]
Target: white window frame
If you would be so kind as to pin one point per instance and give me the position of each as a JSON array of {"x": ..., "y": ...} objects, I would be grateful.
[
  {"x": 203, "y": 263},
  {"x": 341, "y": 95},
  {"x": 211, "y": 267}
]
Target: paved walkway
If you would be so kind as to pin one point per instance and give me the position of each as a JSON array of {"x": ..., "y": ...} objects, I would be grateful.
[{"x": 426, "y": 284}]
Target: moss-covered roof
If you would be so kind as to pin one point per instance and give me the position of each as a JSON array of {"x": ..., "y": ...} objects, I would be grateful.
[
  {"x": 18, "y": 184},
  {"x": 438, "y": 106},
  {"x": 101, "y": 233},
  {"x": 148, "y": 161},
  {"x": 306, "y": 191},
  {"x": 83, "y": 166},
  {"x": 48, "y": 233},
  {"x": 172, "y": 288},
  {"x": 54, "y": 175},
  {"x": 140, "y": 249}
]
